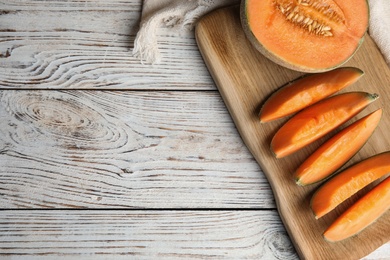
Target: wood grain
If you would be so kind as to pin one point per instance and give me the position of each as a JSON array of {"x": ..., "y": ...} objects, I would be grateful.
[
  {"x": 245, "y": 78},
  {"x": 140, "y": 234},
  {"x": 87, "y": 45},
  {"x": 144, "y": 235},
  {"x": 99, "y": 149}
]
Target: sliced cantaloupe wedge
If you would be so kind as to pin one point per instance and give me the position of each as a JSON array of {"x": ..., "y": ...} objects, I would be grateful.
[
  {"x": 335, "y": 152},
  {"x": 345, "y": 184},
  {"x": 361, "y": 214},
  {"x": 317, "y": 120},
  {"x": 307, "y": 90}
]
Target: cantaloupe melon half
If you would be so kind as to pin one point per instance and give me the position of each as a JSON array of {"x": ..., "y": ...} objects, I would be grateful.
[{"x": 306, "y": 35}]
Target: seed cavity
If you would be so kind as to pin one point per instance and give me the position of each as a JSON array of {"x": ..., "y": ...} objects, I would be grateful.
[{"x": 299, "y": 13}]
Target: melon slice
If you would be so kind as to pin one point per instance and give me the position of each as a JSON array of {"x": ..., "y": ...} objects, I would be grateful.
[
  {"x": 336, "y": 151},
  {"x": 317, "y": 120},
  {"x": 348, "y": 182},
  {"x": 361, "y": 214},
  {"x": 307, "y": 90}
]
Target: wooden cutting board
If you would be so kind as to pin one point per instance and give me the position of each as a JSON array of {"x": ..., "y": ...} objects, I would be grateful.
[{"x": 245, "y": 79}]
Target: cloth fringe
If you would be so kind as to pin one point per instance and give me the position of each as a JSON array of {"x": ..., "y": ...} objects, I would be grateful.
[
  {"x": 180, "y": 15},
  {"x": 379, "y": 26}
]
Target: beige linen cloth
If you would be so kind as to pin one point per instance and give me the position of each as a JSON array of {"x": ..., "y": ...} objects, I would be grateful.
[{"x": 181, "y": 15}]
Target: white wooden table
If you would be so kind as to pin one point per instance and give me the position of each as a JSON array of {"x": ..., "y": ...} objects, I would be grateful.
[{"x": 104, "y": 157}]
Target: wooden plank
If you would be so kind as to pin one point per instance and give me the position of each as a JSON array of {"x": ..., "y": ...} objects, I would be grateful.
[
  {"x": 144, "y": 234},
  {"x": 87, "y": 45},
  {"x": 245, "y": 78},
  {"x": 100, "y": 149}
]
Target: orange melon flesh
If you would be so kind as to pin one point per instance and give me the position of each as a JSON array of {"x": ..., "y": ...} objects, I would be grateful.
[
  {"x": 335, "y": 152},
  {"x": 290, "y": 42},
  {"x": 361, "y": 214},
  {"x": 347, "y": 183},
  {"x": 317, "y": 120},
  {"x": 306, "y": 91}
]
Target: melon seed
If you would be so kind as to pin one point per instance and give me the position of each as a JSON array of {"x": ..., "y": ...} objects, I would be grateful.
[{"x": 302, "y": 18}]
